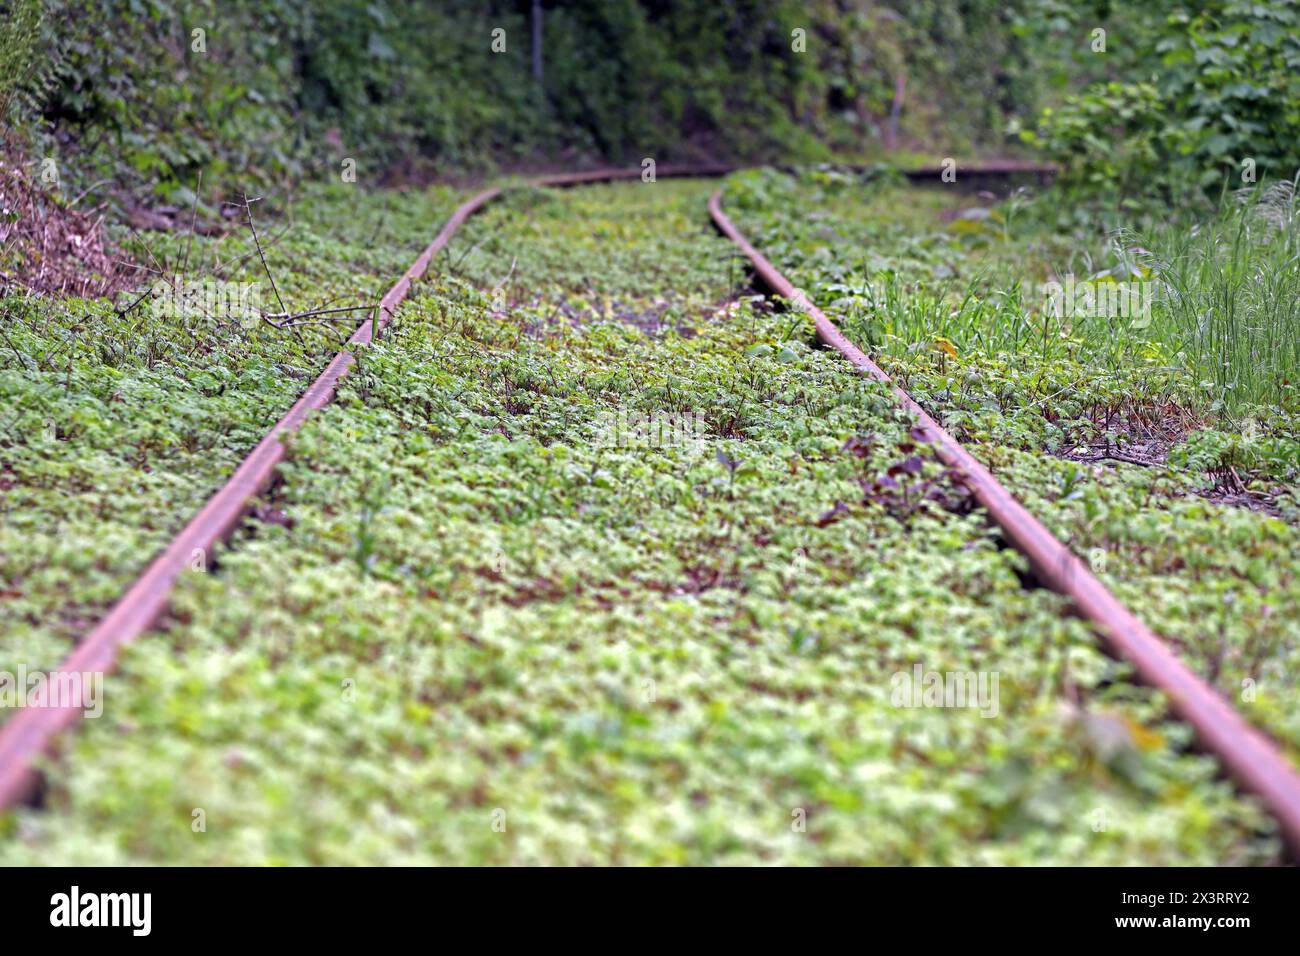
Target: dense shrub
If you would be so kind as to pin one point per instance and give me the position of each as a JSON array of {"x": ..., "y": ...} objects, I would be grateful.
[{"x": 1202, "y": 95}]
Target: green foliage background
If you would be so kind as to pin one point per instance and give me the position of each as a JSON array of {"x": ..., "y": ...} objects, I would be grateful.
[
  {"x": 1191, "y": 93},
  {"x": 1182, "y": 95},
  {"x": 416, "y": 85}
]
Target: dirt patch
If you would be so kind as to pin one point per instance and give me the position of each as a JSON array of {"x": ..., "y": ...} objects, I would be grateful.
[
  {"x": 1144, "y": 435},
  {"x": 966, "y": 210},
  {"x": 48, "y": 246},
  {"x": 1250, "y": 500},
  {"x": 1136, "y": 434}
]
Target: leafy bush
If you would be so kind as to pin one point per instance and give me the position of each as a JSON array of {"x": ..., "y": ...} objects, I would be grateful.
[
  {"x": 1209, "y": 95},
  {"x": 1107, "y": 137},
  {"x": 19, "y": 36}
]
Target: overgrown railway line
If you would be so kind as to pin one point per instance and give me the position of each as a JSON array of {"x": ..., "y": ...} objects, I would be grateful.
[{"x": 1247, "y": 755}]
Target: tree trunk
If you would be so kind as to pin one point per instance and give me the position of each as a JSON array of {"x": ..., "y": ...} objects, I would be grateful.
[{"x": 537, "y": 40}]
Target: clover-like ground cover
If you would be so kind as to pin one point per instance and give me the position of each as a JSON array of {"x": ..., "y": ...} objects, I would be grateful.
[
  {"x": 114, "y": 429},
  {"x": 491, "y": 632},
  {"x": 1097, "y": 424}
]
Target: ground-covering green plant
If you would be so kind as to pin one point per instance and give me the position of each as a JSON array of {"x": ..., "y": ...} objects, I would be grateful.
[
  {"x": 117, "y": 423},
  {"x": 917, "y": 270},
  {"x": 1110, "y": 428},
  {"x": 502, "y": 621}
]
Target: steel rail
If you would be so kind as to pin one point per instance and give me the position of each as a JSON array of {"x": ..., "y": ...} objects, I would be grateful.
[
  {"x": 1250, "y": 758},
  {"x": 32, "y": 732}
]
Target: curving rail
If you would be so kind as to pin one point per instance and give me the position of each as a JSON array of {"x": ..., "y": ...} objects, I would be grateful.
[{"x": 1252, "y": 760}]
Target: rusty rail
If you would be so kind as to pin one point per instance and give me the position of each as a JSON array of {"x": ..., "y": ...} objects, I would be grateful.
[
  {"x": 1249, "y": 757},
  {"x": 32, "y": 731}
]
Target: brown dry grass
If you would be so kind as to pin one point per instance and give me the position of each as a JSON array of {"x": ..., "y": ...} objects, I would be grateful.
[{"x": 49, "y": 247}]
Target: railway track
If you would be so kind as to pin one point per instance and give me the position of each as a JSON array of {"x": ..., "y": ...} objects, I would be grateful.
[{"x": 1247, "y": 755}]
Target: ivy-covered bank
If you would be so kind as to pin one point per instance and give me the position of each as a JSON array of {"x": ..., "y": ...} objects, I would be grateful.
[{"x": 596, "y": 560}]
